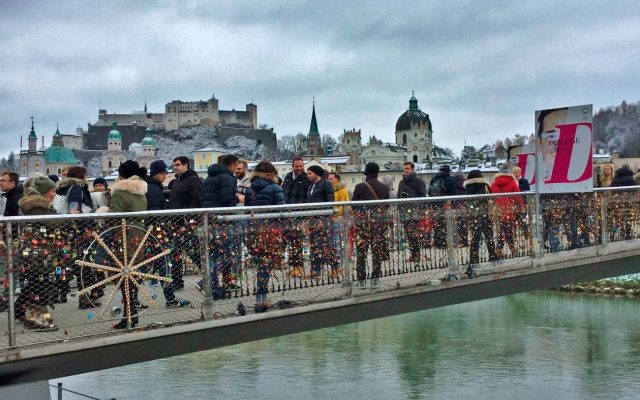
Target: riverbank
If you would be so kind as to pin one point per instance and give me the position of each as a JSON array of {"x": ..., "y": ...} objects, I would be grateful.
[{"x": 628, "y": 286}]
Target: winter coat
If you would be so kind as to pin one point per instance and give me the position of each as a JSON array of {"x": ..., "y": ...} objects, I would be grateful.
[
  {"x": 35, "y": 204},
  {"x": 508, "y": 206},
  {"x": 523, "y": 184},
  {"x": 365, "y": 216},
  {"x": 362, "y": 191},
  {"x": 320, "y": 192},
  {"x": 623, "y": 177},
  {"x": 76, "y": 191},
  {"x": 449, "y": 184},
  {"x": 340, "y": 193},
  {"x": 295, "y": 189},
  {"x": 263, "y": 191},
  {"x": 460, "y": 189},
  {"x": 13, "y": 196},
  {"x": 219, "y": 189},
  {"x": 155, "y": 195},
  {"x": 128, "y": 195},
  {"x": 477, "y": 186},
  {"x": 411, "y": 186},
  {"x": 186, "y": 191}
]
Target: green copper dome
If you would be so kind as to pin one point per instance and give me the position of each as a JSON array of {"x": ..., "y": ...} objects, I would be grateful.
[
  {"x": 114, "y": 134},
  {"x": 148, "y": 138},
  {"x": 59, "y": 155}
]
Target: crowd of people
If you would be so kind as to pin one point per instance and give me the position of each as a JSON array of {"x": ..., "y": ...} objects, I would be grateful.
[{"x": 269, "y": 243}]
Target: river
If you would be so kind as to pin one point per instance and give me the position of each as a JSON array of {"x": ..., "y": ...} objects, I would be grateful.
[{"x": 542, "y": 345}]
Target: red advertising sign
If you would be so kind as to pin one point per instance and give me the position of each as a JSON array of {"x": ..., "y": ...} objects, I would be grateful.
[{"x": 564, "y": 147}]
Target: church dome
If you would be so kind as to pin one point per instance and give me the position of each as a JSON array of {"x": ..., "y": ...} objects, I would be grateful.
[
  {"x": 114, "y": 134},
  {"x": 60, "y": 155},
  {"x": 148, "y": 139},
  {"x": 412, "y": 116}
]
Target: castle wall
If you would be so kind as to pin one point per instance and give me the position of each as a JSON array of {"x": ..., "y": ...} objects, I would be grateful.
[{"x": 267, "y": 136}]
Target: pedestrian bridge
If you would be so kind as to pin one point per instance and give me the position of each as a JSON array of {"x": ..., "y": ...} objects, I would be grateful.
[{"x": 71, "y": 279}]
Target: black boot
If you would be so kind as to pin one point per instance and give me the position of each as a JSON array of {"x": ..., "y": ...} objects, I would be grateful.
[{"x": 123, "y": 323}]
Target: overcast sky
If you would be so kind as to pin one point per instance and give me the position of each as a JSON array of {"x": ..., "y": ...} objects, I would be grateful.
[{"x": 479, "y": 68}]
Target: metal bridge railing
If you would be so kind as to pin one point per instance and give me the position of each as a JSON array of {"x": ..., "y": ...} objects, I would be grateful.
[{"x": 71, "y": 277}]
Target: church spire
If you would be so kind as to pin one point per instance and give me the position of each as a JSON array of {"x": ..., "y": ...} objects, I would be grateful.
[
  {"x": 33, "y": 138},
  {"x": 145, "y": 106},
  {"x": 313, "y": 129}
]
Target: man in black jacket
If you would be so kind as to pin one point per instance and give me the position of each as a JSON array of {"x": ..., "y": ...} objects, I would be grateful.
[
  {"x": 155, "y": 187},
  {"x": 371, "y": 226},
  {"x": 295, "y": 185},
  {"x": 186, "y": 191},
  {"x": 320, "y": 191},
  {"x": 409, "y": 187},
  {"x": 442, "y": 184},
  {"x": 219, "y": 190},
  {"x": 12, "y": 193}
]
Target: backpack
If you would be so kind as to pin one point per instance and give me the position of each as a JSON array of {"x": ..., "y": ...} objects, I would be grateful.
[{"x": 436, "y": 187}]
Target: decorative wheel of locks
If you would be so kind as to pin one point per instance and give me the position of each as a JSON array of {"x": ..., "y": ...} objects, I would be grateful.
[{"x": 124, "y": 255}]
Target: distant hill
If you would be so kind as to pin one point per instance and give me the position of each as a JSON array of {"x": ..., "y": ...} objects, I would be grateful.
[{"x": 617, "y": 128}]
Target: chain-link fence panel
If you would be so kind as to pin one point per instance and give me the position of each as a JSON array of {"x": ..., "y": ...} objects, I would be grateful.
[
  {"x": 622, "y": 210},
  {"x": 69, "y": 277}
]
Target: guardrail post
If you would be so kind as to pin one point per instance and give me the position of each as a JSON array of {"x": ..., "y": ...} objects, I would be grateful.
[
  {"x": 12, "y": 289},
  {"x": 535, "y": 226},
  {"x": 207, "y": 306},
  {"x": 346, "y": 262},
  {"x": 450, "y": 217},
  {"x": 604, "y": 201}
]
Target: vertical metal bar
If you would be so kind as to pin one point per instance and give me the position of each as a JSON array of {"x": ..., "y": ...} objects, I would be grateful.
[
  {"x": 59, "y": 390},
  {"x": 207, "y": 307},
  {"x": 531, "y": 213},
  {"x": 450, "y": 217},
  {"x": 604, "y": 202},
  {"x": 346, "y": 263},
  {"x": 10, "y": 275}
]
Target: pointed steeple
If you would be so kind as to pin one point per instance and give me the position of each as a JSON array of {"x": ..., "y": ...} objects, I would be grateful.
[
  {"x": 33, "y": 138},
  {"x": 313, "y": 129},
  {"x": 145, "y": 107},
  {"x": 57, "y": 138}
]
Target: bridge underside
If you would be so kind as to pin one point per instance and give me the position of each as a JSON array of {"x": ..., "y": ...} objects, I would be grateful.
[{"x": 47, "y": 362}]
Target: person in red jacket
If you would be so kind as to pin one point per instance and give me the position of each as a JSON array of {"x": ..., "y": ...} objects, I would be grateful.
[{"x": 508, "y": 207}]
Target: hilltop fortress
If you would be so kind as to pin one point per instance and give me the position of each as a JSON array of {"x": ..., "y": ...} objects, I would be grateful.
[{"x": 180, "y": 114}]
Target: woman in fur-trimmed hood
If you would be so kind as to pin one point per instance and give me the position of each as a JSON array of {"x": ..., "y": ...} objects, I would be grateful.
[
  {"x": 74, "y": 188},
  {"x": 128, "y": 194}
]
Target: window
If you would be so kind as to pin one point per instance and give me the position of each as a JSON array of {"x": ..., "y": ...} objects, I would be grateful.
[
  {"x": 404, "y": 138},
  {"x": 415, "y": 134},
  {"x": 353, "y": 180},
  {"x": 204, "y": 156},
  {"x": 415, "y": 158}
]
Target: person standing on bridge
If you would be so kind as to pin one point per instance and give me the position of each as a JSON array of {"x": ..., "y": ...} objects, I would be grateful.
[
  {"x": 263, "y": 236},
  {"x": 371, "y": 226},
  {"x": 295, "y": 185},
  {"x": 219, "y": 190},
  {"x": 479, "y": 221},
  {"x": 322, "y": 253},
  {"x": 128, "y": 194},
  {"x": 411, "y": 187},
  {"x": 508, "y": 207},
  {"x": 186, "y": 192}
]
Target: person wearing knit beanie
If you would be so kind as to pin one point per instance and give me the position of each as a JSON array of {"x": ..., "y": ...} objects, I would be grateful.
[
  {"x": 38, "y": 196},
  {"x": 100, "y": 181},
  {"x": 130, "y": 168},
  {"x": 157, "y": 167},
  {"x": 316, "y": 169}
]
